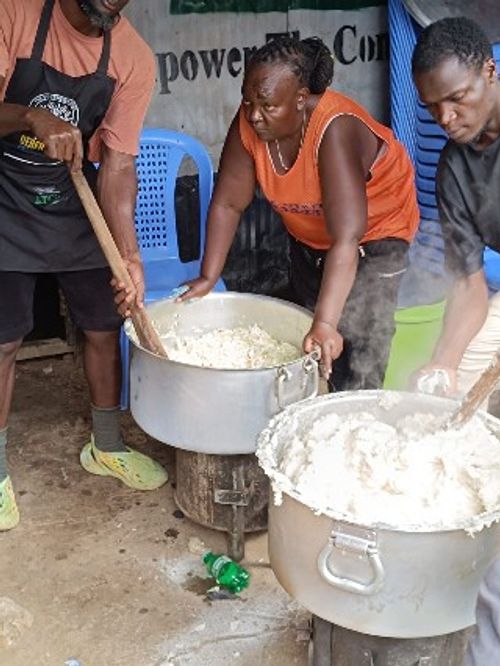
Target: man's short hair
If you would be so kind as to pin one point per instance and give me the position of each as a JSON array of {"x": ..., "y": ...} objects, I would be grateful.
[{"x": 457, "y": 37}]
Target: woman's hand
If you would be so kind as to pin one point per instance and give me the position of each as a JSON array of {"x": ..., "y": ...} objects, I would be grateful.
[
  {"x": 197, "y": 288},
  {"x": 325, "y": 338},
  {"x": 126, "y": 297}
]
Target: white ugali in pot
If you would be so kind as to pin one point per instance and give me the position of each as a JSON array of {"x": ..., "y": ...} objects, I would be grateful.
[
  {"x": 377, "y": 579},
  {"x": 214, "y": 411}
]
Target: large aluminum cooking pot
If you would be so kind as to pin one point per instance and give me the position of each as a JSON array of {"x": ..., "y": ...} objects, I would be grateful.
[
  {"x": 379, "y": 579},
  {"x": 208, "y": 410}
]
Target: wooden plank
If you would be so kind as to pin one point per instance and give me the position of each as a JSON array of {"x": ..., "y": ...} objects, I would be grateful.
[
  {"x": 42, "y": 348},
  {"x": 201, "y": 478}
]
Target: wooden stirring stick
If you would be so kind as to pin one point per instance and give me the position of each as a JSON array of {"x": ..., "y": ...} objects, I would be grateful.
[
  {"x": 146, "y": 332},
  {"x": 476, "y": 394}
]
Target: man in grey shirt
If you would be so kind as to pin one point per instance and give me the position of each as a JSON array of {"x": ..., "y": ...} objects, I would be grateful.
[{"x": 456, "y": 77}]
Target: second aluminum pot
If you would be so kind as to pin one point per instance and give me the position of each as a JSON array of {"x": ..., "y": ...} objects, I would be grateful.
[
  {"x": 383, "y": 580},
  {"x": 214, "y": 411}
]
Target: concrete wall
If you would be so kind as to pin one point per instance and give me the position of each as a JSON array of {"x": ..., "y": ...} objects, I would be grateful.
[{"x": 200, "y": 53}]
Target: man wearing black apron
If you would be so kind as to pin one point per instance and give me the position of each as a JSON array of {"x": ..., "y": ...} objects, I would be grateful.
[{"x": 47, "y": 119}]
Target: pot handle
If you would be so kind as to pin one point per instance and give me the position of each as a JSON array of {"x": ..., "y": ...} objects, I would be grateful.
[
  {"x": 310, "y": 366},
  {"x": 360, "y": 545}
]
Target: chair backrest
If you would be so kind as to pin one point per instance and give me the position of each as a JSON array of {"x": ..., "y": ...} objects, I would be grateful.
[{"x": 161, "y": 154}]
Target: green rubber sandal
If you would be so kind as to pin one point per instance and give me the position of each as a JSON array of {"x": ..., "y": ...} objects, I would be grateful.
[
  {"x": 134, "y": 469},
  {"x": 88, "y": 461},
  {"x": 9, "y": 513}
]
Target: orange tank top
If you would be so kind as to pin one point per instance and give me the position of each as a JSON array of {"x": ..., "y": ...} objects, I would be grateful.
[{"x": 296, "y": 195}]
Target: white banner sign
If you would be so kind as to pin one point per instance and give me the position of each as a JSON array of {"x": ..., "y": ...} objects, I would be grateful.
[{"x": 201, "y": 57}]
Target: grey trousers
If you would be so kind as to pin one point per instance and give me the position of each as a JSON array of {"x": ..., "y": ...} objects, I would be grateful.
[
  {"x": 367, "y": 323},
  {"x": 484, "y": 645}
]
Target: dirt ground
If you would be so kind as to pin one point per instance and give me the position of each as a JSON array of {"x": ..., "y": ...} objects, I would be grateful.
[{"x": 108, "y": 576}]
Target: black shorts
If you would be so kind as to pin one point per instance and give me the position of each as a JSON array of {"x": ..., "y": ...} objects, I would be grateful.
[{"x": 88, "y": 294}]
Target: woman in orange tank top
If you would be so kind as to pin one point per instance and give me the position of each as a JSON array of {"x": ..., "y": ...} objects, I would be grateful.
[{"x": 344, "y": 188}]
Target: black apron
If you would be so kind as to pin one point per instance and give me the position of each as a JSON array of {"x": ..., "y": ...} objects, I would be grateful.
[{"x": 43, "y": 227}]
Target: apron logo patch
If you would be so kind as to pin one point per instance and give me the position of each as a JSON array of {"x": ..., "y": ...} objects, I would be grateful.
[
  {"x": 31, "y": 142},
  {"x": 46, "y": 196},
  {"x": 62, "y": 107}
]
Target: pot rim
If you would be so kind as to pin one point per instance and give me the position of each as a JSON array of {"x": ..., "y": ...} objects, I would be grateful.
[
  {"x": 226, "y": 295},
  {"x": 471, "y": 526},
  {"x": 282, "y": 484}
]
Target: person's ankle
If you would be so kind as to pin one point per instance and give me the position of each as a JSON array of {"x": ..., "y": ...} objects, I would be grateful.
[
  {"x": 3, "y": 454},
  {"x": 106, "y": 429}
]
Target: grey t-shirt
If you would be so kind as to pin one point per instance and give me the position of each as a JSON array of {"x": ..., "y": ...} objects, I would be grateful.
[{"x": 468, "y": 194}]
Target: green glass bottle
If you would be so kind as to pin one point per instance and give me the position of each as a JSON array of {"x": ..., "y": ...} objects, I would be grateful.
[{"x": 227, "y": 573}]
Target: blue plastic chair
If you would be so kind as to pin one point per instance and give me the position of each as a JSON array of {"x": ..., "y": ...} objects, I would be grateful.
[
  {"x": 161, "y": 155},
  {"x": 423, "y": 140},
  {"x": 491, "y": 267}
]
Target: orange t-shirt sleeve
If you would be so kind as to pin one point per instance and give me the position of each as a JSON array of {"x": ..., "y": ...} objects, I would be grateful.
[
  {"x": 132, "y": 65},
  {"x": 120, "y": 130}
]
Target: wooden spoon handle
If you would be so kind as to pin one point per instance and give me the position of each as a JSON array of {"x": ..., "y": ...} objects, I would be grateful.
[
  {"x": 147, "y": 334},
  {"x": 476, "y": 394}
]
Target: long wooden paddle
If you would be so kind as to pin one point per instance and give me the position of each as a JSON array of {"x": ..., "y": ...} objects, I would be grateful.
[
  {"x": 146, "y": 332},
  {"x": 479, "y": 391}
]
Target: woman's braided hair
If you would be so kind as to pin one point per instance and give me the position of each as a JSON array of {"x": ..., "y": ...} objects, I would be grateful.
[{"x": 309, "y": 59}]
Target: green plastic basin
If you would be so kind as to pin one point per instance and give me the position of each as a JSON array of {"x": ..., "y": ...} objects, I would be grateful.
[{"x": 417, "y": 330}]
